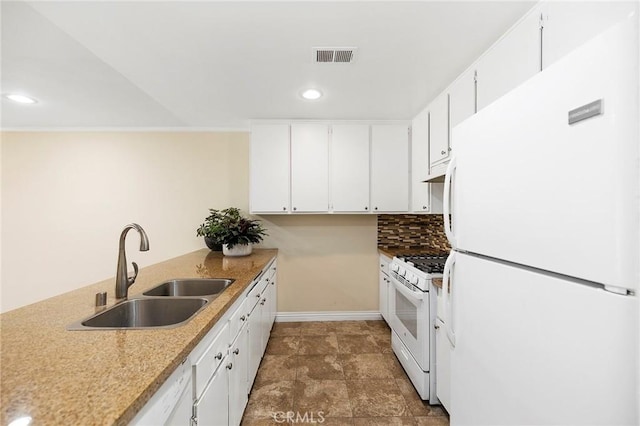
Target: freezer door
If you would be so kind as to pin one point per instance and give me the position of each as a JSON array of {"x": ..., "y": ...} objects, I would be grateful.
[
  {"x": 533, "y": 349},
  {"x": 530, "y": 188}
]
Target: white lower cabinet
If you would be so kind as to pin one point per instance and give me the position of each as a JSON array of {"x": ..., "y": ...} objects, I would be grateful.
[
  {"x": 237, "y": 367},
  {"x": 212, "y": 407},
  {"x": 255, "y": 330},
  {"x": 211, "y": 387},
  {"x": 384, "y": 287}
]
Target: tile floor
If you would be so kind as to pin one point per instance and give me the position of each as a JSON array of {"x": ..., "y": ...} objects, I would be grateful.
[{"x": 335, "y": 373}]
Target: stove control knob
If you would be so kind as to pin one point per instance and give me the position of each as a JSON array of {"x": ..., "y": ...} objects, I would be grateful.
[
  {"x": 414, "y": 280},
  {"x": 402, "y": 272},
  {"x": 394, "y": 267}
]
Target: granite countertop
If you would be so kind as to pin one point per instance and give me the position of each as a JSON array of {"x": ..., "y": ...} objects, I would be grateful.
[
  {"x": 105, "y": 377},
  {"x": 394, "y": 251}
]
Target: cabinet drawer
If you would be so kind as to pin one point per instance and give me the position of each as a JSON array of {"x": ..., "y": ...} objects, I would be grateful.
[
  {"x": 208, "y": 362},
  {"x": 238, "y": 319}
]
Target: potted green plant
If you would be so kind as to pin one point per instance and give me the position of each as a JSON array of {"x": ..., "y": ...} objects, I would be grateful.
[{"x": 230, "y": 229}]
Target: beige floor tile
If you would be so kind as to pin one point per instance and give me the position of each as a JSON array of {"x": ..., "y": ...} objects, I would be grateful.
[
  {"x": 345, "y": 368},
  {"x": 394, "y": 365},
  {"x": 432, "y": 421},
  {"x": 326, "y": 398},
  {"x": 270, "y": 397},
  {"x": 378, "y": 327},
  {"x": 283, "y": 345},
  {"x": 352, "y": 327},
  {"x": 319, "y": 367},
  {"x": 337, "y": 421},
  {"x": 318, "y": 345},
  {"x": 357, "y": 344},
  {"x": 376, "y": 398},
  {"x": 315, "y": 328},
  {"x": 277, "y": 367},
  {"x": 285, "y": 329},
  {"x": 383, "y": 341},
  {"x": 251, "y": 421},
  {"x": 384, "y": 421},
  {"x": 365, "y": 366},
  {"x": 417, "y": 406}
]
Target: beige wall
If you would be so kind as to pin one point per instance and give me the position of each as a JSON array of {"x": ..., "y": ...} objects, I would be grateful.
[
  {"x": 66, "y": 197},
  {"x": 325, "y": 262}
]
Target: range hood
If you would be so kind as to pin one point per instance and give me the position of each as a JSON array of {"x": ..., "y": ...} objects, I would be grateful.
[{"x": 437, "y": 173}]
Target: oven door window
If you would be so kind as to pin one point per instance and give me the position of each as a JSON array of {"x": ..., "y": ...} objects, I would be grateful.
[{"x": 407, "y": 313}]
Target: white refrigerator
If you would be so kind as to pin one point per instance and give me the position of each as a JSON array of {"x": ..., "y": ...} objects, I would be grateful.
[{"x": 543, "y": 196}]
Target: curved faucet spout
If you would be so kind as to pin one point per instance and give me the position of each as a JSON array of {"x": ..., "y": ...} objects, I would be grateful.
[{"x": 123, "y": 281}]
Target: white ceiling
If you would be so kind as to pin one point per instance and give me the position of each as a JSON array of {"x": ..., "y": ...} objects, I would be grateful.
[{"x": 215, "y": 64}]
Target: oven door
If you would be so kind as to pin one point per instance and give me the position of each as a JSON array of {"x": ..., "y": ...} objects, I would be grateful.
[{"x": 409, "y": 318}]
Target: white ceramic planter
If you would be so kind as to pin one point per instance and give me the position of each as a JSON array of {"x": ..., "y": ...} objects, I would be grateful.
[{"x": 237, "y": 250}]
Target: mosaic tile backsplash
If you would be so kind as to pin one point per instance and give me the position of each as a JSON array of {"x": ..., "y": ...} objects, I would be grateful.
[{"x": 412, "y": 231}]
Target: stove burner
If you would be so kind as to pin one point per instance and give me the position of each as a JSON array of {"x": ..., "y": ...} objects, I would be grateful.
[{"x": 431, "y": 264}]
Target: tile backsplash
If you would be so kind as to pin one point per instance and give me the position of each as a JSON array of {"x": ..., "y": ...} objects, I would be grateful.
[{"x": 412, "y": 231}]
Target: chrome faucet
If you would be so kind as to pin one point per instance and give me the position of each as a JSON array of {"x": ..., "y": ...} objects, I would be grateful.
[{"x": 123, "y": 282}]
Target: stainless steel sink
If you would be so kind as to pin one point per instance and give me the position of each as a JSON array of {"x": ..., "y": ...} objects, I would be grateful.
[
  {"x": 143, "y": 313},
  {"x": 190, "y": 287}
]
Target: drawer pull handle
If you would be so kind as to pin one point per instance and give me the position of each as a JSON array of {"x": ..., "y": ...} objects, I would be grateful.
[
  {"x": 237, "y": 351},
  {"x": 219, "y": 355},
  {"x": 229, "y": 366},
  {"x": 243, "y": 318}
]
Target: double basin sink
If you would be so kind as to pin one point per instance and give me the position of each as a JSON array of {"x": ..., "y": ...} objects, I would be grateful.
[{"x": 166, "y": 305}]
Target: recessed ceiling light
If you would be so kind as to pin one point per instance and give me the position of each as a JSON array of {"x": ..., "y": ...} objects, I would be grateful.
[
  {"x": 311, "y": 94},
  {"x": 21, "y": 99}
]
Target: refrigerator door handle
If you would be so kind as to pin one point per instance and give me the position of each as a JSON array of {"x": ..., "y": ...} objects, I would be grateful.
[
  {"x": 446, "y": 298},
  {"x": 446, "y": 208}
]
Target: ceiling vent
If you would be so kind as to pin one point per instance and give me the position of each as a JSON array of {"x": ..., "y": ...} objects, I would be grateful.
[{"x": 343, "y": 55}]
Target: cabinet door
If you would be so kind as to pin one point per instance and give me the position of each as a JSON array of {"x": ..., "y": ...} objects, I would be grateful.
[
  {"x": 265, "y": 317},
  {"x": 513, "y": 60},
  {"x": 420, "y": 162},
  {"x": 269, "y": 168},
  {"x": 238, "y": 395},
  {"x": 309, "y": 167},
  {"x": 350, "y": 168},
  {"x": 384, "y": 296},
  {"x": 390, "y": 168},
  {"x": 462, "y": 98},
  {"x": 254, "y": 344},
  {"x": 443, "y": 365},
  {"x": 212, "y": 408},
  {"x": 567, "y": 25},
  {"x": 439, "y": 129},
  {"x": 273, "y": 297}
]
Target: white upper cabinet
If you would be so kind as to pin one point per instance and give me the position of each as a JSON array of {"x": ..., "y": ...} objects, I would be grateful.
[
  {"x": 512, "y": 60},
  {"x": 462, "y": 98},
  {"x": 269, "y": 159},
  {"x": 439, "y": 129},
  {"x": 350, "y": 168},
  {"x": 389, "y": 168},
  {"x": 309, "y": 168},
  {"x": 568, "y": 25},
  {"x": 420, "y": 162}
]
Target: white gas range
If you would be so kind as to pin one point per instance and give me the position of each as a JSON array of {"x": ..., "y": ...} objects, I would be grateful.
[{"x": 412, "y": 314}]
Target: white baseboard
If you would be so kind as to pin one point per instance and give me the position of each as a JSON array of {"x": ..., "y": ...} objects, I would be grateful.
[{"x": 328, "y": 316}]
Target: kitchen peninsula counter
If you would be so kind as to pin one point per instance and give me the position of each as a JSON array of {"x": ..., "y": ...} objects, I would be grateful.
[{"x": 105, "y": 377}]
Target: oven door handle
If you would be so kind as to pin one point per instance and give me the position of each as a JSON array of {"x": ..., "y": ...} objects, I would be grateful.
[{"x": 413, "y": 295}]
